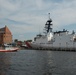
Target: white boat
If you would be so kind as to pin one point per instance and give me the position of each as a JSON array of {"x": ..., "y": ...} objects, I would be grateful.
[
  {"x": 8, "y": 48},
  {"x": 59, "y": 40}
]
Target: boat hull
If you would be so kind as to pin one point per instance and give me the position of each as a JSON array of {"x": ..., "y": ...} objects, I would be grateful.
[
  {"x": 51, "y": 47},
  {"x": 12, "y": 50}
]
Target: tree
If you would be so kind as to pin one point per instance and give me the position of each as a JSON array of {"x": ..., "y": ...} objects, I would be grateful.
[
  {"x": 16, "y": 40},
  {"x": 29, "y": 40}
]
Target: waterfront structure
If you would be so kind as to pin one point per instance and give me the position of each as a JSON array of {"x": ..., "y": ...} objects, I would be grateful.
[
  {"x": 59, "y": 40},
  {"x": 5, "y": 36}
]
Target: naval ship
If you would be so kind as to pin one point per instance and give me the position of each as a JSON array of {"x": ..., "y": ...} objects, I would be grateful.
[{"x": 59, "y": 40}]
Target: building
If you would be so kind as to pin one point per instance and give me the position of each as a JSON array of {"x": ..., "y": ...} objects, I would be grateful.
[{"x": 5, "y": 36}]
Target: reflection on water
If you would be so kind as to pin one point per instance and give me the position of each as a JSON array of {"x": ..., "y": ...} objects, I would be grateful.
[
  {"x": 4, "y": 63},
  {"x": 62, "y": 63},
  {"x": 32, "y": 62}
]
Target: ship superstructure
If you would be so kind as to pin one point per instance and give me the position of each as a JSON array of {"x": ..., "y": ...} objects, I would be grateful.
[{"x": 60, "y": 40}]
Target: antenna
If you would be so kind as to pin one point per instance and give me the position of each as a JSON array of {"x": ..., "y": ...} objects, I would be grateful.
[{"x": 49, "y": 15}]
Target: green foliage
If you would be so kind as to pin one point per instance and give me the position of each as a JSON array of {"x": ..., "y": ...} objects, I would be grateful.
[
  {"x": 16, "y": 40},
  {"x": 29, "y": 40}
]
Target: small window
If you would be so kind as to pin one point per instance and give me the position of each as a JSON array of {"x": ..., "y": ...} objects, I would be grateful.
[{"x": 74, "y": 39}]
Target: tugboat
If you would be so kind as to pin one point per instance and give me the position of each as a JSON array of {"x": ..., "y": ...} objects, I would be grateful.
[{"x": 59, "y": 40}]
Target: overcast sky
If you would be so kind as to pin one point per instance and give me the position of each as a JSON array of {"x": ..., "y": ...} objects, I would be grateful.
[{"x": 27, "y": 18}]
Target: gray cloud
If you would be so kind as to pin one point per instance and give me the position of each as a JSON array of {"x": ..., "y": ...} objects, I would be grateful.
[{"x": 29, "y": 16}]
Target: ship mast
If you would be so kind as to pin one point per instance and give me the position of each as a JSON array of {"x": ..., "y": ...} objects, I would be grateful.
[
  {"x": 48, "y": 25},
  {"x": 49, "y": 15}
]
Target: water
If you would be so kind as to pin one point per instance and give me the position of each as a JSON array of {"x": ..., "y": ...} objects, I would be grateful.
[{"x": 36, "y": 62}]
